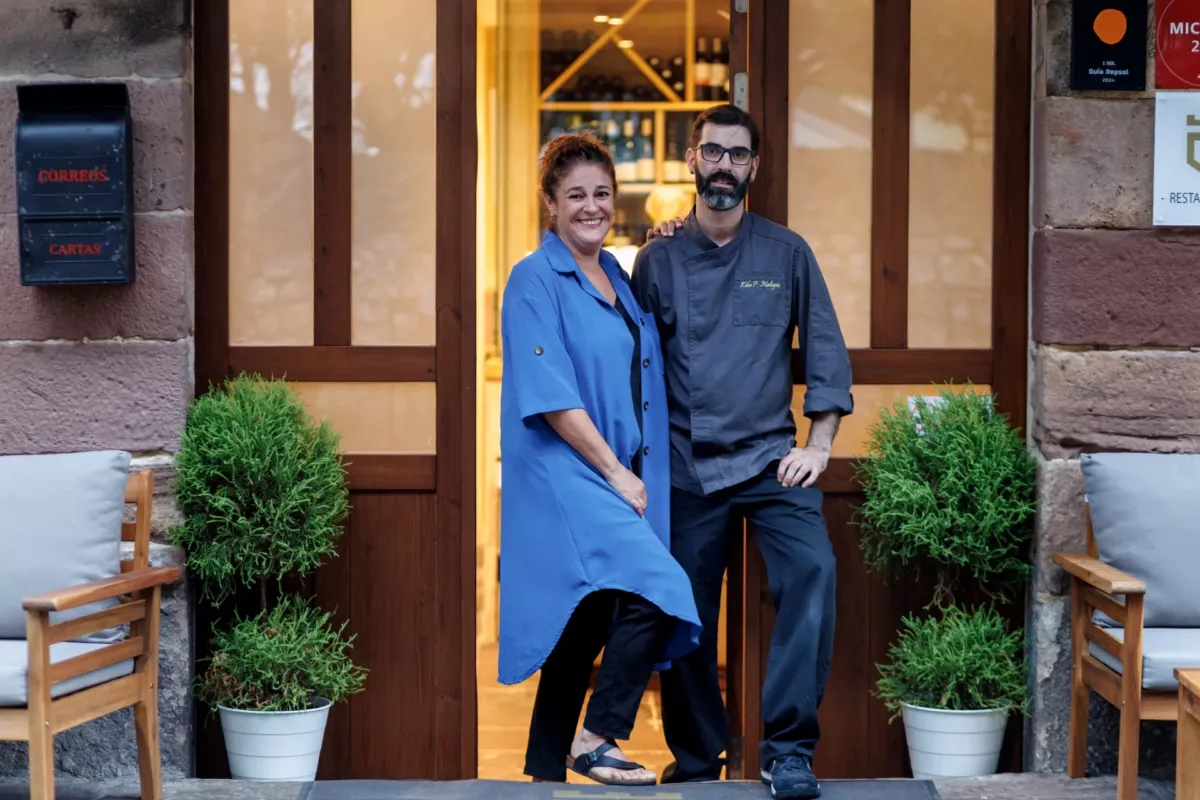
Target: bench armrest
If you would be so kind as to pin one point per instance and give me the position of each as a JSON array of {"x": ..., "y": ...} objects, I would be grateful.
[
  {"x": 1096, "y": 573},
  {"x": 133, "y": 581}
]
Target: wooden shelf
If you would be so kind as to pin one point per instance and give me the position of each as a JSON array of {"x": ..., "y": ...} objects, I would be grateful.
[
  {"x": 647, "y": 187},
  {"x": 695, "y": 105}
]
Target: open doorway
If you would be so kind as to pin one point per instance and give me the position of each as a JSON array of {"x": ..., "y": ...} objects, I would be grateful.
[{"x": 634, "y": 73}]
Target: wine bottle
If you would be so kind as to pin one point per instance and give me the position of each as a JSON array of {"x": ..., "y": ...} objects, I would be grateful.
[
  {"x": 645, "y": 160},
  {"x": 701, "y": 73},
  {"x": 626, "y": 156},
  {"x": 718, "y": 72}
]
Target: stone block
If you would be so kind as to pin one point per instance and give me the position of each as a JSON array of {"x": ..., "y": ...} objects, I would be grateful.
[
  {"x": 1048, "y": 656},
  {"x": 106, "y": 748},
  {"x": 1048, "y": 652},
  {"x": 164, "y": 510},
  {"x": 1116, "y": 288},
  {"x": 94, "y": 38},
  {"x": 1061, "y": 522},
  {"x": 161, "y": 143},
  {"x": 1093, "y": 162},
  {"x": 154, "y": 306},
  {"x": 1054, "y": 61},
  {"x": 68, "y": 397},
  {"x": 1143, "y": 401}
]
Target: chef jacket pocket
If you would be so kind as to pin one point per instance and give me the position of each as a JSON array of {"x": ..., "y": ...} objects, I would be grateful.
[{"x": 762, "y": 301}]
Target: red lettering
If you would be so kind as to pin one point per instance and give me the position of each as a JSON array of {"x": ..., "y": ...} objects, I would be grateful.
[
  {"x": 79, "y": 249},
  {"x": 94, "y": 175}
]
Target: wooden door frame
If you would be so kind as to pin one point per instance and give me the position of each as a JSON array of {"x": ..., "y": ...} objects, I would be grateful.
[
  {"x": 888, "y": 361},
  {"x": 450, "y": 474}
]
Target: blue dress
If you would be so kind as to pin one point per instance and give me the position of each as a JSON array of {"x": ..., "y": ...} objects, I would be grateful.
[{"x": 564, "y": 531}]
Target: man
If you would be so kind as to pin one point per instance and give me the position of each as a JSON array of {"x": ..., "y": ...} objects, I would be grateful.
[{"x": 729, "y": 289}]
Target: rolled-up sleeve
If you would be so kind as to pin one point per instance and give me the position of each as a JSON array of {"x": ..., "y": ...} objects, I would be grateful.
[
  {"x": 827, "y": 374},
  {"x": 535, "y": 353}
]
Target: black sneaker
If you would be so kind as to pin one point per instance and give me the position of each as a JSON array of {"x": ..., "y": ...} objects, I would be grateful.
[{"x": 791, "y": 778}]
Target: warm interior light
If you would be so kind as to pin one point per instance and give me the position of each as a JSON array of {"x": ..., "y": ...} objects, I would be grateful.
[
  {"x": 615, "y": 21},
  {"x": 601, "y": 18},
  {"x": 625, "y": 43}
]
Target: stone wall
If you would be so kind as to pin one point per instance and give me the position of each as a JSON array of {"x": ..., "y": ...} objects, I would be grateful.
[
  {"x": 85, "y": 368},
  {"x": 1116, "y": 352}
]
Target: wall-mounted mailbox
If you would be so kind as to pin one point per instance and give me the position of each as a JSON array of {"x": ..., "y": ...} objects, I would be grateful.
[{"x": 74, "y": 157}]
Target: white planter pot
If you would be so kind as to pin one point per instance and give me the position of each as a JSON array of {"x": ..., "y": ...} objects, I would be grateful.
[
  {"x": 953, "y": 744},
  {"x": 274, "y": 745}
]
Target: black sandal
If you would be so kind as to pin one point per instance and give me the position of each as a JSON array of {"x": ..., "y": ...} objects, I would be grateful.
[{"x": 585, "y": 763}]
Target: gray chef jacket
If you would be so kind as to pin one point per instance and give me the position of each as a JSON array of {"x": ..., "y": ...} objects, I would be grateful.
[{"x": 726, "y": 316}]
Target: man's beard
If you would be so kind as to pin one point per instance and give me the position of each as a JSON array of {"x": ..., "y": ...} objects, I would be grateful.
[{"x": 721, "y": 197}]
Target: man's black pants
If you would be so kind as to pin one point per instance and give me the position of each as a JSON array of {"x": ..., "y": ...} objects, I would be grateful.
[
  {"x": 632, "y": 632},
  {"x": 791, "y": 533}
]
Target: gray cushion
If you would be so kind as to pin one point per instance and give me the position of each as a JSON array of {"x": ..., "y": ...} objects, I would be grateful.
[
  {"x": 1163, "y": 651},
  {"x": 1145, "y": 510},
  {"x": 60, "y": 526},
  {"x": 14, "y": 671}
]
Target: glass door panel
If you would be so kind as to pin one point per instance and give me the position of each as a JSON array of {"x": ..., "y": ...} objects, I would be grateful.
[
  {"x": 830, "y": 83},
  {"x": 855, "y": 430},
  {"x": 376, "y": 418},
  {"x": 950, "y": 174},
  {"x": 271, "y": 172},
  {"x": 393, "y": 138}
]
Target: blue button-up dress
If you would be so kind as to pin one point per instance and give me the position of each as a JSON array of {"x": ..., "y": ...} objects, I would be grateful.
[{"x": 564, "y": 531}]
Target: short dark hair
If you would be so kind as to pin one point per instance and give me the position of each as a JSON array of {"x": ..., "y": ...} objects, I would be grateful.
[{"x": 725, "y": 114}]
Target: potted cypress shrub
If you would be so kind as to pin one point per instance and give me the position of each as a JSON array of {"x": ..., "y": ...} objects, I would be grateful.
[
  {"x": 263, "y": 493},
  {"x": 954, "y": 679},
  {"x": 950, "y": 488}
]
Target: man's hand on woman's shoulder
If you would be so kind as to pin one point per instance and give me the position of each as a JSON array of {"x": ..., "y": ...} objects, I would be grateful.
[{"x": 665, "y": 228}]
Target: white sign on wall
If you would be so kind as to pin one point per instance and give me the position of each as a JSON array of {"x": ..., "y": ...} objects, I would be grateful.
[{"x": 1177, "y": 158}]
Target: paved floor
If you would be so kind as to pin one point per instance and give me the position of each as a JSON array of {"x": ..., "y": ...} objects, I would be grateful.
[
  {"x": 504, "y": 726},
  {"x": 998, "y": 787}
]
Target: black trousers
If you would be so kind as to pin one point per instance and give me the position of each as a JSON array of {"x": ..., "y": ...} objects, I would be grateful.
[
  {"x": 632, "y": 632},
  {"x": 791, "y": 533}
]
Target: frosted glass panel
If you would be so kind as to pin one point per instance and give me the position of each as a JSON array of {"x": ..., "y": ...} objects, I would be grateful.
[
  {"x": 270, "y": 172},
  {"x": 376, "y": 417},
  {"x": 829, "y": 157},
  {"x": 869, "y": 401},
  {"x": 395, "y": 182},
  {"x": 950, "y": 214}
]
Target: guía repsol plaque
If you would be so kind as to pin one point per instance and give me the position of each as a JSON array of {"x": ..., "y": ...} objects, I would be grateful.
[{"x": 1108, "y": 45}]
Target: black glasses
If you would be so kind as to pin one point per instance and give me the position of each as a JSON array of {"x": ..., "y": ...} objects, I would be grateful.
[{"x": 738, "y": 156}]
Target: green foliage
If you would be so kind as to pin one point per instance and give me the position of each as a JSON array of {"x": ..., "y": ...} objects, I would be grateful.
[
  {"x": 261, "y": 486},
  {"x": 952, "y": 486},
  {"x": 281, "y": 660},
  {"x": 962, "y": 660},
  {"x": 263, "y": 493}
]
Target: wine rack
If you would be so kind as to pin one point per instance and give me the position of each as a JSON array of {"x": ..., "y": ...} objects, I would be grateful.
[{"x": 643, "y": 111}]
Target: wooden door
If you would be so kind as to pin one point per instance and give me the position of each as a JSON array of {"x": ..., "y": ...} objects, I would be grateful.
[
  {"x": 895, "y": 139},
  {"x": 335, "y": 177}
]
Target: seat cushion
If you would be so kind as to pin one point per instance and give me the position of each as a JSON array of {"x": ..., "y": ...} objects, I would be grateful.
[
  {"x": 1146, "y": 518},
  {"x": 60, "y": 526},
  {"x": 1163, "y": 651},
  {"x": 14, "y": 670}
]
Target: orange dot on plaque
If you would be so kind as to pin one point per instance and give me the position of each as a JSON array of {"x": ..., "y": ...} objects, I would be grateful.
[{"x": 1110, "y": 26}]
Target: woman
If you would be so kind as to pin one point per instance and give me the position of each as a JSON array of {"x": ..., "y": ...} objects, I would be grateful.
[{"x": 585, "y": 561}]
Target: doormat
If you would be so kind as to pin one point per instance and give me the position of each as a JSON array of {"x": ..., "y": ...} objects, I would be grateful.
[{"x": 511, "y": 790}]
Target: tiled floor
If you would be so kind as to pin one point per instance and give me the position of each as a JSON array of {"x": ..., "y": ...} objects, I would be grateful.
[{"x": 504, "y": 727}]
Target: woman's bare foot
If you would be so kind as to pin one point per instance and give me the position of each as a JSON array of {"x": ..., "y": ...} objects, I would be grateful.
[{"x": 587, "y": 741}]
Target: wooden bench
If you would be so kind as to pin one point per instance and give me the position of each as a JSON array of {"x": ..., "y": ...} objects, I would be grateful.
[
  {"x": 1129, "y": 633},
  {"x": 94, "y": 679},
  {"x": 1187, "y": 756}
]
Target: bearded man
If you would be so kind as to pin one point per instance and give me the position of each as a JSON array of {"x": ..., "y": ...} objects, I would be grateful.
[{"x": 728, "y": 290}]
